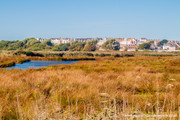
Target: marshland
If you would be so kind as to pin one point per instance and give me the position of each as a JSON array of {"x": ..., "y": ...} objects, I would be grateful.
[
  {"x": 99, "y": 86},
  {"x": 89, "y": 60}
]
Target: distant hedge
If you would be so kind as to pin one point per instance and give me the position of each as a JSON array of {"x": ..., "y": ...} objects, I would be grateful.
[
  {"x": 71, "y": 54},
  {"x": 28, "y": 53}
]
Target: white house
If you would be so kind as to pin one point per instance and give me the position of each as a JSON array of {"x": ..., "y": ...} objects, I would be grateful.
[
  {"x": 66, "y": 40},
  {"x": 128, "y": 42},
  {"x": 101, "y": 42},
  {"x": 169, "y": 46},
  {"x": 41, "y": 39},
  {"x": 61, "y": 40},
  {"x": 56, "y": 40},
  {"x": 87, "y": 39},
  {"x": 142, "y": 40}
]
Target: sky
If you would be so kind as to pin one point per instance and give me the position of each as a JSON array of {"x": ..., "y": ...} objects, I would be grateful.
[{"x": 153, "y": 19}]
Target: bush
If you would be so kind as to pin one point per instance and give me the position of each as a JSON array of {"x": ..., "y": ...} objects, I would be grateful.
[
  {"x": 117, "y": 55},
  {"x": 28, "y": 53},
  {"x": 102, "y": 55},
  {"x": 128, "y": 55},
  {"x": 61, "y": 47},
  {"x": 89, "y": 48},
  {"x": 96, "y": 54},
  {"x": 145, "y": 46},
  {"x": 87, "y": 54},
  {"x": 111, "y": 45},
  {"x": 55, "y": 54}
]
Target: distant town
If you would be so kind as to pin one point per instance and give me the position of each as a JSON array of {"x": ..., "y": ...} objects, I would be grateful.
[{"x": 126, "y": 44}]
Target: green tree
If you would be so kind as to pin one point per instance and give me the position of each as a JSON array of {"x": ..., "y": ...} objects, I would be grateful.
[
  {"x": 92, "y": 42},
  {"x": 47, "y": 42},
  {"x": 61, "y": 47},
  {"x": 161, "y": 43},
  {"x": 55, "y": 48},
  {"x": 4, "y": 44},
  {"x": 64, "y": 47},
  {"x": 90, "y": 45},
  {"x": 89, "y": 48},
  {"x": 145, "y": 46},
  {"x": 15, "y": 45},
  {"x": 10, "y": 45},
  {"x": 111, "y": 45},
  {"x": 35, "y": 45},
  {"x": 30, "y": 41},
  {"x": 76, "y": 46},
  {"x": 26, "y": 44}
]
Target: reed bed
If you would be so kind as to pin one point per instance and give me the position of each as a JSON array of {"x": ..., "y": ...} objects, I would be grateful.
[
  {"x": 141, "y": 87},
  {"x": 9, "y": 60}
]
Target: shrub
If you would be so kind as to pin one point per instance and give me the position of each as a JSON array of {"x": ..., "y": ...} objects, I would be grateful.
[
  {"x": 145, "y": 46},
  {"x": 96, "y": 54},
  {"x": 90, "y": 48},
  {"x": 102, "y": 55},
  {"x": 28, "y": 53},
  {"x": 128, "y": 55},
  {"x": 55, "y": 54},
  {"x": 87, "y": 54},
  {"x": 117, "y": 55},
  {"x": 111, "y": 45}
]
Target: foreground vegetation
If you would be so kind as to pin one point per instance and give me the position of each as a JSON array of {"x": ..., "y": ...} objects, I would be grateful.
[{"x": 108, "y": 88}]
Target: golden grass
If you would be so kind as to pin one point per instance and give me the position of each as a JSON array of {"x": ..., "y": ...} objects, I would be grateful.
[
  {"x": 9, "y": 60},
  {"x": 106, "y": 88}
]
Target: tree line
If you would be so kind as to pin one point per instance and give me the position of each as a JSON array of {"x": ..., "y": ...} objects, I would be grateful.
[{"x": 32, "y": 44}]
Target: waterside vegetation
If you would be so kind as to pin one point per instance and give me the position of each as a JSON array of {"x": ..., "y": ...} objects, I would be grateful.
[{"x": 108, "y": 88}]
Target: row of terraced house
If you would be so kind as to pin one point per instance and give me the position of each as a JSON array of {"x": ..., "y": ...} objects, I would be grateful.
[{"x": 129, "y": 44}]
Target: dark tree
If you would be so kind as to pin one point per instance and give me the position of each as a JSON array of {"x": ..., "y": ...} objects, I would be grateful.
[
  {"x": 111, "y": 45},
  {"x": 145, "y": 46},
  {"x": 161, "y": 43}
]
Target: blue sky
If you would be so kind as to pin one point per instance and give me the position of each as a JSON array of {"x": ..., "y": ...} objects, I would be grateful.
[{"x": 20, "y": 19}]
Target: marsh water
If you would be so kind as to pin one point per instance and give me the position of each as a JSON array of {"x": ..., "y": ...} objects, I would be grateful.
[{"x": 39, "y": 64}]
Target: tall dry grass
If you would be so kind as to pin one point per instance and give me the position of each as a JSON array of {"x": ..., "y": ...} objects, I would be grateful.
[
  {"x": 7, "y": 60},
  {"x": 109, "y": 88}
]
